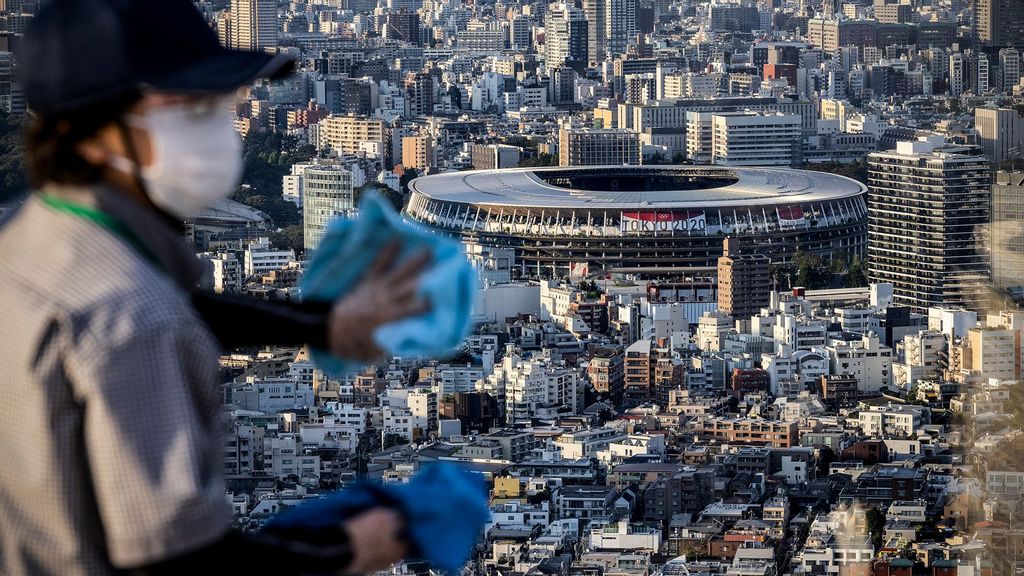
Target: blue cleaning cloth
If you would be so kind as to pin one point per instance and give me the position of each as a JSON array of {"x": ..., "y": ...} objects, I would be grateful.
[
  {"x": 350, "y": 246},
  {"x": 444, "y": 506}
]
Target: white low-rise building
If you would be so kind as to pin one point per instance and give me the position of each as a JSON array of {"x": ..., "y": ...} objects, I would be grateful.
[
  {"x": 899, "y": 420},
  {"x": 867, "y": 360},
  {"x": 625, "y": 536}
]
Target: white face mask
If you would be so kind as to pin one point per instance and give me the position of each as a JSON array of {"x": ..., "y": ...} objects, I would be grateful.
[{"x": 197, "y": 157}]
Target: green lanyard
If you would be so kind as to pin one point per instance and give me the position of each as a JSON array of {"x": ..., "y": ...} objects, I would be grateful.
[{"x": 104, "y": 220}]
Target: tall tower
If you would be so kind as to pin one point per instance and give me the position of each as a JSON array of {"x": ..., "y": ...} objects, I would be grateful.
[
  {"x": 1010, "y": 66},
  {"x": 743, "y": 281},
  {"x": 998, "y": 23},
  {"x": 957, "y": 69},
  {"x": 326, "y": 194},
  {"x": 565, "y": 36},
  {"x": 253, "y": 24},
  {"x": 611, "y": 27},
  {"x": 596, "y": 13},
  {"x": 1008, "y": 231},
  {"x": 928, "y": 214},
  {"x": 620, "y": 25}
]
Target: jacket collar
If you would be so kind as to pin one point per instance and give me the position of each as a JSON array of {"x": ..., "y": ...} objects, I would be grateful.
[{"x": 154, "y": 230}]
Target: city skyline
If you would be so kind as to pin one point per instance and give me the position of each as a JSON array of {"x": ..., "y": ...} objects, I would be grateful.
[{"x": 749, "y": 273}]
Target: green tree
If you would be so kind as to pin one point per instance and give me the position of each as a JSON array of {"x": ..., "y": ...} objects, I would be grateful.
[
  {"x": 289, "y": 237},
  {"x": 657, "y": 158},
  {"x": 539, "y": 161},
  {"x": 407, "y": 176},
  {"x": 521, "y": 142},
  {"x": 875, "y": 521},
  {"x": 392, "y": 439},
  {"x": 397, "y": 200},
  {"x": 13, "y": 176},
  {"x": 269, "y": 156},
  {"x": 811, "y": 271},
  {"x": 856, "y": 277},
  {"x": 856, "y": 170}
]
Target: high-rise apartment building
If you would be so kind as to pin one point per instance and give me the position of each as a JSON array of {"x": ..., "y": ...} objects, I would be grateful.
[
  {"x": 402, "y": 25},
  {"x": 993, "y": 352},
  {"x": 620, "y": 25},
  {"x": 521, "y": 33},
  {"x": 597, "y": 147},
  {"x": 928, "y": 211},
  {"x": 327, "y": 194},
  {"x": 565, "y": 36},
  {"x": 611, "y": 26},
  {"x": 253, "y": 24},
  {"x": 1007, "y": 231},
  {"x": 1000, "y": 133},
  {"x": 890, "y": 12},
  {"x": 561, "y": 85},
  {"x": 982, "y": 81},
  {"x": 419, "y": 94},
  {"x": 957, "y": 74},
  {"x": 347, "y": 134},
  {"x": 650, "y": 372},
  {"x": 830, "y": 34},
  {"x": 596, "y": 33},
  {"x": 418, "y": 152},
  {"x": 605, "y": 371},
  {"x": 1010, "y": 68},
  {"x": 998, "y": 23},
  {"x": 744, "y": 286}
]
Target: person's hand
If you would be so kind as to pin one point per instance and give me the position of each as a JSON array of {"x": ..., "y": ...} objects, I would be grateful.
[
  {"x": 385, "y": 294},
  {"x": 376, "y": 540}
]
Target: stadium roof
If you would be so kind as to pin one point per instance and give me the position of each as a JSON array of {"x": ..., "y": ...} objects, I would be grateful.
[{"x": 625, "y": 187}]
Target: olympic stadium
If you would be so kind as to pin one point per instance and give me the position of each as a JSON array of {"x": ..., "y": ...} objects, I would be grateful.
[{"x": 645, "y": 220}]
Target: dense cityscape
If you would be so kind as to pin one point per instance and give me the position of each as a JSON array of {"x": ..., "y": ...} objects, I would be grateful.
[{"x": 750, "y": 273}]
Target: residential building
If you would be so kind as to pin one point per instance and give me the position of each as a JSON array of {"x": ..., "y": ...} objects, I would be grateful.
[
  {"x": 743, "y": 281},
  {"x": 351, "y": 134},
  {"x": 606, "y": 373},
  {"x": 893, "y": 420},
  {"x": 867, "y": 360},
  {"x": 565, "y": 36},
  {"x": 1000, "y": 133},
  {"x": 650, "y": 372},
  {"x": 227, "y": 272},
  {"x": 419, "y": 94},
  {"x": 928, "y": 210},
  {"x": 777, "y": 434},
  {"x": 998, "y": 23},
  {"x": 418, "y": 152},
  {"x": 839, "y": 391},
  {"x": 993, "y": 352},
  {"x": 253, "y": 24},
  {"x": 1007, "y": 231}
]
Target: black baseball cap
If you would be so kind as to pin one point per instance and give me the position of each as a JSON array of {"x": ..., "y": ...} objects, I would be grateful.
[{"x": 78, "y": 54}]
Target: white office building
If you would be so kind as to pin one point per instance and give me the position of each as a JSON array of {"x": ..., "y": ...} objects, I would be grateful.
[
  {"x": 261, "y": 258},
  {"x": 753, "y": 139},
  {"x": 327, "y": 194}
]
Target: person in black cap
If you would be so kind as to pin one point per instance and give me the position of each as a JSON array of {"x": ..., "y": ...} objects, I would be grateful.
[{"x": 109, "y": 401}]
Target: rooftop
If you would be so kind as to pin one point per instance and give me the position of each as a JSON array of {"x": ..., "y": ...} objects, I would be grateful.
[{"x": 633, "y": 187}]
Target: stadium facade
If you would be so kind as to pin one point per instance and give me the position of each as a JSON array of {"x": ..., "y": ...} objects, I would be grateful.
[{"x": 646, "y": 220}]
